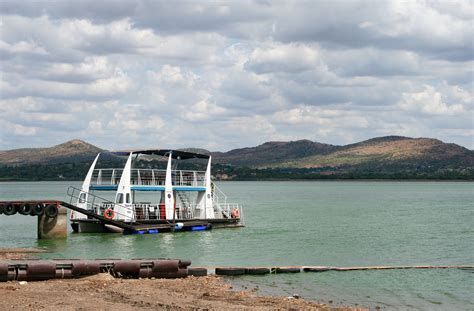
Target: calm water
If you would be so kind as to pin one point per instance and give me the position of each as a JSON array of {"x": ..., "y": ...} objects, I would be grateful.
[{"x": 308, "y": 223}]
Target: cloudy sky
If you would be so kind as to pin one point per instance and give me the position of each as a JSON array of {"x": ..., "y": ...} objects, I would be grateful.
[{"x": 229, "y": 74}]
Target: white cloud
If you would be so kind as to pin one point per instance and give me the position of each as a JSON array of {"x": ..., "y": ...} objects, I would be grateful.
[
  {"x": 285, "y": 58},
  {"x": 202, "y": 111},
  {"x": 234, "y": 74},
  {"x": 429, "y": 101},
  {"x": 21, "y": 47},
  {"x": 21, "y": 130}
]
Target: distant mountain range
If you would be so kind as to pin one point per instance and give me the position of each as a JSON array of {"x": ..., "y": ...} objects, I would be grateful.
[
  {"x": 382, "y": 157},
  {"x": 69, "y": 152}
]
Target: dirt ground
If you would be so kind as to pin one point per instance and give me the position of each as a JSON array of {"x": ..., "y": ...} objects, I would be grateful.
[
  {"x": 19, "y": 253},
  {"x": 104, "y": 292}
]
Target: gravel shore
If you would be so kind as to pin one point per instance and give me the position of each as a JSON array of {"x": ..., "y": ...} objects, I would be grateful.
[{"x": 104, "y": 292}]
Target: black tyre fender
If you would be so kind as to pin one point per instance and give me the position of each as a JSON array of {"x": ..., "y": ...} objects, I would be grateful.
[
  {"x": 195, "y": 271},
  {"x": 25, "y": 208},
  {"x": 286, "y": 269},
  {"x": 230, "y": 271},
  {"x": 51, "y": 211},
  {"x": 316, "y": 269},
  {"x": 9, "y": 209},
  {"x": 257, "y": 270},
  {"x": 38, "y": 209},
  {"x": 1, "y": 209}
]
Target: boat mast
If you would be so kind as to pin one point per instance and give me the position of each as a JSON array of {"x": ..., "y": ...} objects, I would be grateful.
[
  {"x": 169, "y": 197},
  {"x": 209, "y": 214},
  {"x": 123, "y": 205},
  {"x": 84, "y": 194}
]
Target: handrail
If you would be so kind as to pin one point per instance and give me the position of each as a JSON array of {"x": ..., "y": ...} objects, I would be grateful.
[
  {"x": 217, "y": 195},
  {"x": 95, "y": 206},
  {"x": 148, "y": 169},
  {"x": 111, "y": 176}
]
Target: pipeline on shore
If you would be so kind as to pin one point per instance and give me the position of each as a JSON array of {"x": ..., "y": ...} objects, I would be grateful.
[{"x": 36, "y": 270}]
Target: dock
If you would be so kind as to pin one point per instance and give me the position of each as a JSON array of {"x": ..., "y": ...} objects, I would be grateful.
[{"x": 52, "y": 219}]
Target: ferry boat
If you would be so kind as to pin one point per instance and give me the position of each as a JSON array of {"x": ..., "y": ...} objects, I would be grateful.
[{"x": 152, "y": 199}]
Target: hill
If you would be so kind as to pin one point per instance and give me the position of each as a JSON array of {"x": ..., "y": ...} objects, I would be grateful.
[
  {"x": 390, "y": 151},
  {"x": 68, "y": 152},
  {"x": 390, "y": 157},
  {"x": 272, "y": 153}
]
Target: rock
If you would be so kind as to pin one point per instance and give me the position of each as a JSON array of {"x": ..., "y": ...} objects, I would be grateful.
[{"x": 23, "y": 282}]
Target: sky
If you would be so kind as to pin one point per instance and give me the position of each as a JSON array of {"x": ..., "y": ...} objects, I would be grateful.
[{"x": 228, "y": 74}]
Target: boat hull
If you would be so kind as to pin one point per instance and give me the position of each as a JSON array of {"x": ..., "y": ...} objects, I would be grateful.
[{"x": 95, "y": 226}]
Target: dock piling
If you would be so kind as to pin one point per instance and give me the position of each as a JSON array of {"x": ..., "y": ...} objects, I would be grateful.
[{"x": 53, "y": 227}]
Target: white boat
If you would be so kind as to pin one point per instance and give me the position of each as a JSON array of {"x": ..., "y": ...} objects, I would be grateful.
[{"x": 150, "y": 199}]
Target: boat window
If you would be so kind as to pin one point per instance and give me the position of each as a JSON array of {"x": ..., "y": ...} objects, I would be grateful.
[
  {"x": 128, "y": 197},
  {"x": 120, "y": 198},
  {"x": 82, "y": 198}
]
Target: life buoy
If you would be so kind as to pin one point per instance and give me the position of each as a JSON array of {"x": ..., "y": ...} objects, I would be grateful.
[
  {"x": 235, "y": 213},
  {"x": 109, "y": 213}
]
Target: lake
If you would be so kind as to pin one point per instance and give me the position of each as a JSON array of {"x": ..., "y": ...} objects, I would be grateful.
[{"x": 330, "y": 223}]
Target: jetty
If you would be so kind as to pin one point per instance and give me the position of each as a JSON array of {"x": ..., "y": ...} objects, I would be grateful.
[{"x": 52, "y": 219}]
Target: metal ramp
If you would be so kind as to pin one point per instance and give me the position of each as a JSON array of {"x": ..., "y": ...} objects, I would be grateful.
[{"x": 107, "y": 221}]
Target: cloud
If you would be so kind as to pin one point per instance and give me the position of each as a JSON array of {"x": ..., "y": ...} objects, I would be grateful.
[
  {"x": 283, "y": 58},
  {"x": 415, "y": 26},
  {"x": 429, "y": 101},
  {"x": 222, "y": 75},
  {"x": 202, "y": 111},
  {"x": 21, "y": 130}
]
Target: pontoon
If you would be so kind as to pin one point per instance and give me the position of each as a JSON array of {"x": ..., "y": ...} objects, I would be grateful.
[{"x": 161, "y": 199}]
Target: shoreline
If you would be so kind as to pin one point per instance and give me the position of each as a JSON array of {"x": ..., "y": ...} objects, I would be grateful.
[
  {"x": 210, "y": 293},
  {"x": 107, "y": 293}
]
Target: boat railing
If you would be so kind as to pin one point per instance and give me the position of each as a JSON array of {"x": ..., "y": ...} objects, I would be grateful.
[
  {"x": 106, "y": 176},
  {"x": 148, "y": 211},
  {"x": 93, "y": 202},
  {"x": 224, "y": 210},
  {"x": 141, "y": 210},
  {"x": 185, "y": 211},
  {"x": 218, "y": 196},
  {"x": 149, "y": 177}
]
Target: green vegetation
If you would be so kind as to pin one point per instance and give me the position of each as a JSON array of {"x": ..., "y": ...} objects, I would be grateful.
[
  {"x": 61, "y": 171},
  {"x": 329, "y": 173},
  {"x": 77, "y": 171}
]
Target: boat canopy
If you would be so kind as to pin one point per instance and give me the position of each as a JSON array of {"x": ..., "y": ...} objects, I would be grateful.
[{"x": 175, "y": 154}]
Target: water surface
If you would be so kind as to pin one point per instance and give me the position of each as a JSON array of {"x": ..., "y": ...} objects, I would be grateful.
[{"x": 308, "y": 223}]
